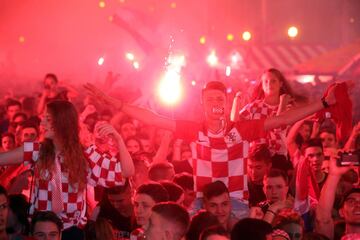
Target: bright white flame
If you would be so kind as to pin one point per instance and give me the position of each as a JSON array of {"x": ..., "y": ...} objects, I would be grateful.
[
  {"x": 246, "y": 36},
  {"x": 193, "y": 82},
  {"x": 306, "y": 79},
  {"x": 228, "y": 71},
  {"x": 177, "y": 61},
  {"x": 170, "y": 89},
  {"x": 136, "y": 65},
  {"x": 212, "y": 59},
  {"x": 130, "y": 56},
  {"x": 101, "y": 61},
  {"x": 293, "y": 32}
]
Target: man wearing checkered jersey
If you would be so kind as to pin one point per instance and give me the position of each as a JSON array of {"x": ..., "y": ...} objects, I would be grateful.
[{"x": 219, "y": 146}]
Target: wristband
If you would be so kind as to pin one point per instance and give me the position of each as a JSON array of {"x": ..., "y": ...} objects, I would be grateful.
[{"x": 324, "y": 103}]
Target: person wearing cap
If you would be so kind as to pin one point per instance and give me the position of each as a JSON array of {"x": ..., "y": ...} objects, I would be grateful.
[
  {"x": 219, "y": 146},
  {"x": 349, "y": 207}
]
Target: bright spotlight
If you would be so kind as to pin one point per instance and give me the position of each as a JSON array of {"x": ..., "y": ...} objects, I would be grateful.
[
  {"x": 246, "y": 36},
  {"x": 102, "y": 4},
  {"x": 136, "y": 65},
  {"x": 193, "y": 82},
  {"x": 228, "y": 71},
  {"x": 170, "y": 89},
  {"x": 230, "y": 37},
  {"x": 293, "y": 32},
  {"x": 101, "y": 61},
  {"x": 212, "y": 59},
  {"x": 130, "y": 56},
  {"x": 202, "y": 40}
]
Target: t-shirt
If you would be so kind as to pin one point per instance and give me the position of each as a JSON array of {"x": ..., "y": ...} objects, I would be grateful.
[{"x": 221, "y": 156}]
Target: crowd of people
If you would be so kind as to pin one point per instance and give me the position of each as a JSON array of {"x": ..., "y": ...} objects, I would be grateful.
[{"x": 278, "y": 167}]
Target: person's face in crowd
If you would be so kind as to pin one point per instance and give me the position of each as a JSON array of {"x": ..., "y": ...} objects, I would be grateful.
[
  {"x": 189, "y": 197},
  {"x": 132, "y": 146},
  {"x": 214, "y": 103},
  {"x": 127, "y": 130},
  {"x": 50, "y": 83},
  {"x": 158, "y": 228},
  {"x": 146, "y": 145},
  {"x": 256, "y": 170},
  {"x": 294, "y": 230},
  {"x": 16, "y": 124},
  {"x": 186, "y": 155},
  {"x": 275, "y": 189},
  {"x": 28, "y": 135},
  {"x": 351, "y": 209},
  {"x": 46, "y": 231},
  {"x": 4, "y": 211},
  {"x": 220, "y": 206},
  {"x": 47, "y": 125},
  {"x": 315, "y": 156},
  {"x": 12, "y": 110},
  {"x": 122, "y": 202},
  {"x": 142, "y": 208},
  {"x": 305, "y": 131},
  {"x": 271, "y": 84},
  {"x": 328, "y": 140},
  {"x": 7, "y": 143}
]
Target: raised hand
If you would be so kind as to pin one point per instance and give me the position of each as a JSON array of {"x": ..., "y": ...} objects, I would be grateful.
[
  {"x": 105, "y": 129},
  {"x": 101, "y": 96}
]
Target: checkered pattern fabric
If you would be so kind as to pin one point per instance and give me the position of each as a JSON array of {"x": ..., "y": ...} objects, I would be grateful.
[
  {"x": 276, "y": 138},
  {"x": 103, "y": 170},
  {"x": 221, "y": 156}
]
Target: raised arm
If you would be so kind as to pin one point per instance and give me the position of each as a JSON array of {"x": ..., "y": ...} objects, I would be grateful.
[
  {"x": 324, "y": 221},
  {"x": 350, "y": 143},
  {"x": 296, "y": 114},
  {"x": 163, "y": 150},
  {"x": 127, "y": 164},
  {"x": 11, "y": 157},
  {"x": 144, "y": 115},
  {"x": 238, "y": 103}
]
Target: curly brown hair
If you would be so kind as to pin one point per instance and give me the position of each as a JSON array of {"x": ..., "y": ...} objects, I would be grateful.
[{"x": 66, "y": 128}]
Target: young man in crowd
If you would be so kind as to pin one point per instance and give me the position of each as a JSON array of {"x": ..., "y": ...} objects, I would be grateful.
[
  {"x": 258, "y": 165},
  {"x": 219, "y": 147},
  {"x": 12, "y": 107},
  {"x": 349, "y": 208},
  {"x": 217, "y": 202},
  {"x": 168, "y": 221},
  {"x": 46, "y": 225},
  {"x": 116, "y": 206}
]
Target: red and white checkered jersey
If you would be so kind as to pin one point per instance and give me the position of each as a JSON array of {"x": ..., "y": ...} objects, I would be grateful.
[
  {"x": 276, "y": 138},
  {"x": 103, "y": 170},
  {"x": 221, "y": 156}
]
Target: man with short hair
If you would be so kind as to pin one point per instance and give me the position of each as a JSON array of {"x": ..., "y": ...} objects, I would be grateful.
[
  {"x": 258, "y": 165},
  {"x": 12, "y": 107},
  {"x": 28, "y": 133},
  {"x": 217, "y": 201},
  {"x": 46, "y": 225},
  {"x": 116, "y": 206},
  {"x": 168, "y": 221}
]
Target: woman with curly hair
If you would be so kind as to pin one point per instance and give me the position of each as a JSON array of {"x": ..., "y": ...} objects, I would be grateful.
[{"x": 62, "y": 168}]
